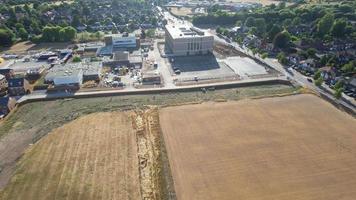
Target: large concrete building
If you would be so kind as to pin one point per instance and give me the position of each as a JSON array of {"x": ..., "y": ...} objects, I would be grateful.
[{"x": 183, "y": 40}]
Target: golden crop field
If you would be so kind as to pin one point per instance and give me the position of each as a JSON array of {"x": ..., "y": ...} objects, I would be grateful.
[
  {"x": 295, "y": 147},
  {"x": 93, "y": 157}
]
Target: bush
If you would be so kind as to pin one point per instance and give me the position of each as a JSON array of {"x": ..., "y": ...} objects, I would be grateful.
[
  {"x": 76, "y": 59},
  {"x": 317, "y": 75},
  {"x": 264, "y": 55},
  {"x": 338, "y": 93},
  {"x": 319, "y": 81},
  {"x": 6, "y": 37},
  {"x": 36, "y": 39},
  {"x": 282, "y": 58}
]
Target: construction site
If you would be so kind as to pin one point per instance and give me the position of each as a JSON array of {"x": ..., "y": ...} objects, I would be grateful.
[{"x": 198, "y": 145}]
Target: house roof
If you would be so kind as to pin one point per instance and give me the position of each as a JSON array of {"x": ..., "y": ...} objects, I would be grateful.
[
  {"x": 309, "y": 61},
  {"x": 4, "y": 71},
  {"x": 16, "y": 82},
  {"x": 4, "y": 101},
  {"x": 353, "y": 82}
]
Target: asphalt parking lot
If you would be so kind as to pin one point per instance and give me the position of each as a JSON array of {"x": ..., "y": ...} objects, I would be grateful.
[{"x": 201, "y": 67}]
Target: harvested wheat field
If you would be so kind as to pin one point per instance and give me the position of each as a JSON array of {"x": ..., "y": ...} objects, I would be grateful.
[
  {"x": 93, "y": 157},
  {"x": 296, "y": 147}
]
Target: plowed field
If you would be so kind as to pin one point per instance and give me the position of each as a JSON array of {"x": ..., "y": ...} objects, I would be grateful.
[{"x": 296, "y": 147}]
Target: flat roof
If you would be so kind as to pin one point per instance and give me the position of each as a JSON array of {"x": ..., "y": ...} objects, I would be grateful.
[
  {"x": 88, "y": 69},
  {"x": 182, "y": 31}
]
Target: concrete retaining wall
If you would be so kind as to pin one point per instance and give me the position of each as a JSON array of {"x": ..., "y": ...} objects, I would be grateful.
[{"x": 159, "y": 90}]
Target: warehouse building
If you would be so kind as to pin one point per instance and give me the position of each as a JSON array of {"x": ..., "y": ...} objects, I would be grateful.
[
  {"x": 74, "y": 74},
  {"x": 73, "y": 78},
  {"x": 118, "y": 42},
  {"x": 185, "y": 41}
]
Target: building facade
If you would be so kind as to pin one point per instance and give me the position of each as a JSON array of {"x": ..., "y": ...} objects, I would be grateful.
[
  {"x": 185, "y": 41},
  {"x": 119, "y": 41},
  {"x": 18, "y": 86},
  {"x": 3, "y": 85}
]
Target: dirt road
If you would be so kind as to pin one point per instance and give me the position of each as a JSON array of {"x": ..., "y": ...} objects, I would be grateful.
[{"x": 296, "y": 147}]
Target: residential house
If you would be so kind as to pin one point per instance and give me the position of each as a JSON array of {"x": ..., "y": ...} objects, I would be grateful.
[
  {"x": 294, "y": 59},
  {"x": 328, "y": 74},
  {"x": 81, "y": 27},
  {"x": 350, "y": 87},
  {"x": 3, "y": 85},
  {"x": 233, "y": 32},
  {"x": 18, "y": 86},
  {"x": 7, "y": 72},
  {"x": 252, "y": 40},
  {"x": 307, "y": 65}
]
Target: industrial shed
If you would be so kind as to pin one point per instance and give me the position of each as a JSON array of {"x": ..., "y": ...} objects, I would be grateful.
[
  {"x": 70, "y": 72},
  {"x": 69, "y": 78}
]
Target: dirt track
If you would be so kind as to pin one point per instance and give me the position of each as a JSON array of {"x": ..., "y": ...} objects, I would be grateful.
[
  {"x": 94, "y": 157},
  {"x": 296, "y": 147}
]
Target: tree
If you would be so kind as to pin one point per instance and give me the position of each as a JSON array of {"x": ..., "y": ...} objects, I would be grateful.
[
  {"x": 339, "y": 28},
  {"x": 76, "y": 59},
  {"x": 260, "y": 24},
  {"x": 114, "y": 31},
  {"x": 23, "y": 34},
  {"x": 150, "y": 33},
  {"x": 349, "y": 67},
  {"x": 69, "y": 33},
  {"x": 287, "y": 23},
  {"x": 281, "y": 5},
  {"x": 317, "y": 75},
  {"x": 282, "y": 58},
  {"x": 338, "y": 93},
  {"x": 274, "y": 31},
  {"x": 311, "y": 52},
  {"x": 264, "y": 55},
  {"x": 281, "y": 40},
  {"x": 319, "y": 81},
  {"x": 58, "y": 34},
  {"x": 296, "y": 21},
  {"x": 6, "y": 37},
  {"x": 250, "y": 21},
  {"x": 338, "y": 85},
  {"x": 324, "y": 25},
  {"x": 219, "y": 30}
]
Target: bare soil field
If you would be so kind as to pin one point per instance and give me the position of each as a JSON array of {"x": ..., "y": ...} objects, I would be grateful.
[
  {"x": 181, "y": 11},
  {"x": 93, "y": 157},
  {"x": 295, "y": 147},
  {"x": 27, "y": 124},
  {"x": 22, "y": 48}
]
